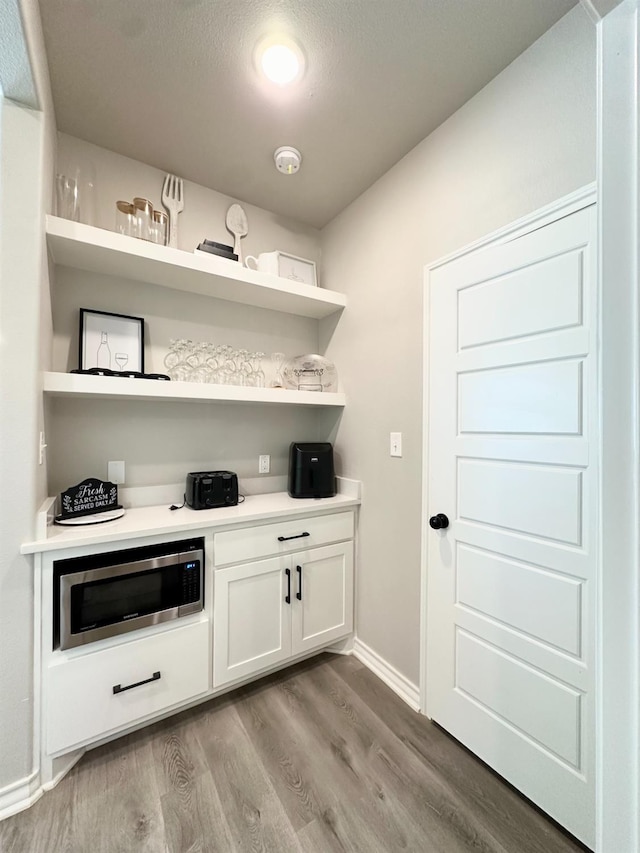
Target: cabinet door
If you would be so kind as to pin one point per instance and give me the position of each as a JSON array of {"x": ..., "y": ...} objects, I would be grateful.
[
  {"x": 252, "y": 620},
  {"x": 322, "y": 596}
]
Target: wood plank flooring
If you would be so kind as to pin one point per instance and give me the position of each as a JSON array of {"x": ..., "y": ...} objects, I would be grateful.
[{"x": 318, "y": 758}]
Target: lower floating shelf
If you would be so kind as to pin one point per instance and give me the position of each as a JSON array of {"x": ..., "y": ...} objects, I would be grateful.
[{"x": 119, "y": 388}]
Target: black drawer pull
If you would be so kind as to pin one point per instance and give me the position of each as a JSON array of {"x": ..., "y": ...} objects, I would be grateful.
[
  {"x": 299, "y": 592},
  {"x": 288, "y": 595},
  {"x": 286, "y": 538},
  {"x": 118, "y": 688}
]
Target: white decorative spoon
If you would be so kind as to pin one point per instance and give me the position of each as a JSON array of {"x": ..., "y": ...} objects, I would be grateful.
[{"x": 239, "y": 227}]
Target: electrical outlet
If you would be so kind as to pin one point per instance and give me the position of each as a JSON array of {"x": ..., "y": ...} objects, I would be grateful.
[
  {"x": 395, "y": 444},
  {"x": 264, "y": 464},
  {"x": 115, "y": 472}
]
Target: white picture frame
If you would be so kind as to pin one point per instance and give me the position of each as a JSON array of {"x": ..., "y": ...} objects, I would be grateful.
[{"x": 297, "y": 269}]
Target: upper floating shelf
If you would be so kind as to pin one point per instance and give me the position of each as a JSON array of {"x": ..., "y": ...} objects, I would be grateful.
[{"x": 84, "y": 247}]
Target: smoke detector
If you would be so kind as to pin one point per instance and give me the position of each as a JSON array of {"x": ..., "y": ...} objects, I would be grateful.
[{"x": 288, "y": 159}]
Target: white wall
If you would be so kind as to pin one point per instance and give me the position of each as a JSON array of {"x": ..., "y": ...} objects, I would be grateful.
[
  {"x": 526, "y": 139},
  {"x": 118, "y": 177},
  {"x": 26, "y": 164},
  {"x": 161, "y": 442}
]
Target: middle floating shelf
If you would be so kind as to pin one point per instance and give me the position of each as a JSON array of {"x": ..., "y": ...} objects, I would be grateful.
[{"x": 119, "y": 388}]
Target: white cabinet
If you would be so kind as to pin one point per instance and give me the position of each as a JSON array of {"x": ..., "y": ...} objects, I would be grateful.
[
  {"x": 322, "y": 605},
  {"x": 92, "y": 694},
  {"x": 251, "y": 619},
  {"x": 268, "y": 611}
]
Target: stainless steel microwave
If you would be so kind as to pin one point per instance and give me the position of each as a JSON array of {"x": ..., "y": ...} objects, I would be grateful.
[{"x": 103, "y": 595}]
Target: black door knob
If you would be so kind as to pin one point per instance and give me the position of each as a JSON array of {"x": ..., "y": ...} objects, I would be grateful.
[{"x": 439, "y": 521}]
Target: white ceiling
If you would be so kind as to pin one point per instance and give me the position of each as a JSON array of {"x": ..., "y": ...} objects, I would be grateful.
[{"x": 171, "y": 83}]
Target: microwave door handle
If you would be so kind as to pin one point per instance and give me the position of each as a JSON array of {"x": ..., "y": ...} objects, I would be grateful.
[{"x": 118, "y": 688}]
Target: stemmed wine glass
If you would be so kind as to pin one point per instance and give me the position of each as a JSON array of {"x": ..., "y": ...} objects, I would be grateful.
[
  {"x": 121, "y": 359},
  {"x": 278, "y": 360}
]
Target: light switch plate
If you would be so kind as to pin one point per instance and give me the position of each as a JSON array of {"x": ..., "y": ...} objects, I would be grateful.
[
  {"x": 115, "y": 472},
  {"x": 395, "y": 444}
]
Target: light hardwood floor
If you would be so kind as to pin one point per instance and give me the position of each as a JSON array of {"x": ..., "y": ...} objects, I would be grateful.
[{"x": 318, "y": 758}]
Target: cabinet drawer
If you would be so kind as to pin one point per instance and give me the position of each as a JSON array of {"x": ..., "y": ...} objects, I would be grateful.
[
  {"x": 81, "y": 706},
  {"x": 250, "y": 543}
]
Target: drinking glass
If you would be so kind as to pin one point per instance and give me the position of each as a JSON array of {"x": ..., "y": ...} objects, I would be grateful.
[
  {"x": 257, "y": 368},
  {"x": 67, "y": 198},
  {"x": 144, "y": 218},
  {"x": 159, "y": 228},
  {"x": 175, "y": 359},
  {"x": 278, "y": 360},
  {"x": 125, "y": 218}
]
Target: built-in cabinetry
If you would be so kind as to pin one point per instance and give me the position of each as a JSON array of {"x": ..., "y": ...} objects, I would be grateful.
[
  {"x": 267, "y": 610},
  {"x": 279, "y": 573},
  {"x": 278, "y": 586}
]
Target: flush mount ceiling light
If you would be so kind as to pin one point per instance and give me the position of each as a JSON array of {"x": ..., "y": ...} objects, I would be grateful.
[
  {"x": 288, "y": 159},
  {"x": 280, "y": 59}
]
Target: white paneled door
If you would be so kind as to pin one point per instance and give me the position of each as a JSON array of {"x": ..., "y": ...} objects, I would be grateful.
[{"x": 512, "y": 464}]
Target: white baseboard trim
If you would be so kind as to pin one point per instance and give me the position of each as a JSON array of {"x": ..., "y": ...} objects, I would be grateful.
[
  {"x": 25, "y": 792},
  {"x": 399, "y": 683},
  {"x": 19, "y": 795}
]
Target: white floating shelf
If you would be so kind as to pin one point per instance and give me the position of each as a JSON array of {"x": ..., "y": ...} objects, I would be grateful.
[
  {"x": 119, "y": 388},
  {"x": 84, "y": 247}
]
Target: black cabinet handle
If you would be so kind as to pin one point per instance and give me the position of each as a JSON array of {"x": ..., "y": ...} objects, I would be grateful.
[
  {"x": 288, "y": 595},
  {"x": 299, "y": 592},
  {"x": 286, "y": 538},
  {"x": 439, "y": 521},
  {"x": 118, "y": 688}
]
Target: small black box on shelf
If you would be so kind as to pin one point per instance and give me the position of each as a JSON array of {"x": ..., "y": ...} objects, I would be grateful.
[{"x": 218, "y": 249}]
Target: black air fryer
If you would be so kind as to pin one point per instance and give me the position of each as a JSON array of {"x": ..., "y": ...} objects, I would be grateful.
[{"x": 311, "y": 473}]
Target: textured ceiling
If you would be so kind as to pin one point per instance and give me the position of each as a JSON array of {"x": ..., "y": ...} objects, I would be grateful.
[
  {"x": 171, "y": 83},
  {"x": 16, "y": 78}
]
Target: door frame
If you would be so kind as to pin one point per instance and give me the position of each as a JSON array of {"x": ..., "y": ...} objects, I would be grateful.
[{"x": 618, "y": 664}]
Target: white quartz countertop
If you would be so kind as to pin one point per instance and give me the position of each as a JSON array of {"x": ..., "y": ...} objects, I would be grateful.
[{"x": 154, "y": 520}]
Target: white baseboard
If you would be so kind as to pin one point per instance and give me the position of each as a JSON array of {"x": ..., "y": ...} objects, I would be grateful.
[
  {"x": 25, "y": 792},
  {"x": 399, "y": 683},
  {"x": 19, "y": 795}
]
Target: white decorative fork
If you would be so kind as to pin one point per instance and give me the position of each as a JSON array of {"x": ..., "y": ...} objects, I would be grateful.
[{"x": 173, "y": 200}]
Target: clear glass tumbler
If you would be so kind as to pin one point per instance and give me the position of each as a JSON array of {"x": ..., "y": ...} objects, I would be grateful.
[
  {"x": 144, "y": 218},
  {"x": 159, "y": 227},
  {"x": 125, "y": 218},
  {"x": 67, "y": 198}
]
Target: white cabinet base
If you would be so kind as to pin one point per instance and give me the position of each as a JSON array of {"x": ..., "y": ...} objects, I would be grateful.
[
  {"x": 251, "y": 622},
  {"x": 325, "y": 611},
  {"x": 255, "y": 629},
  {"x": 270, "y": 610},
  {"x": 82, "y": 706}
]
